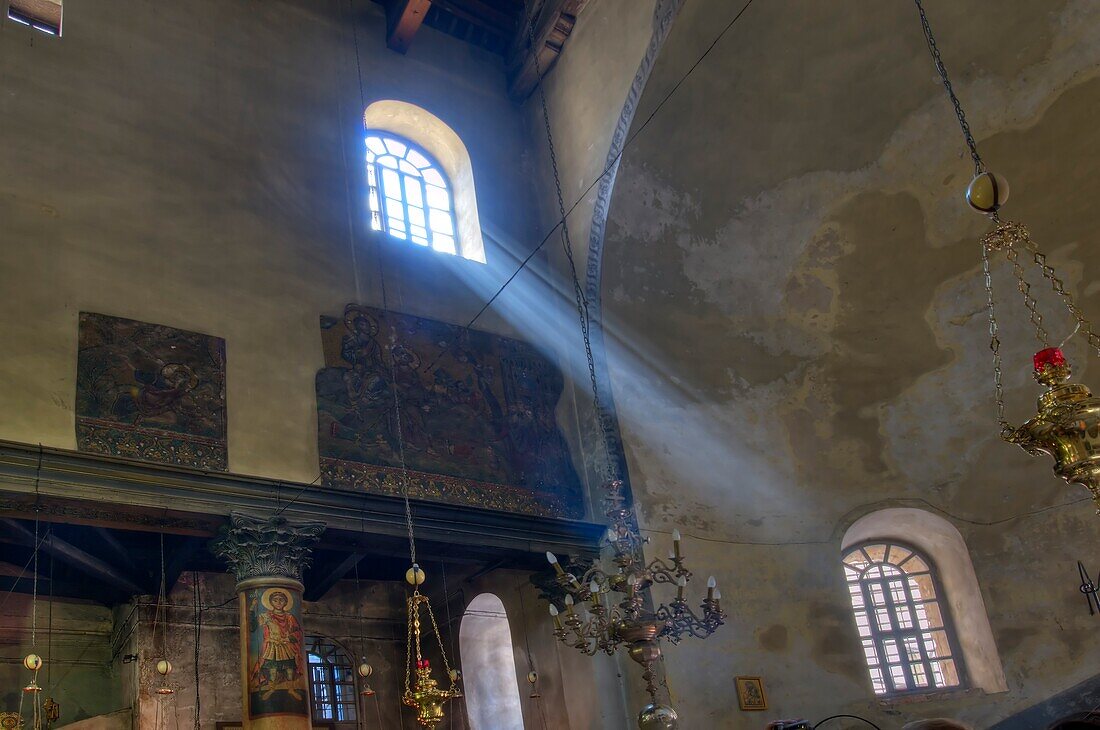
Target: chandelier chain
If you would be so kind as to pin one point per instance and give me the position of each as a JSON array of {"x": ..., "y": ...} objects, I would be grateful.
[
  {"x": 1060, "y": 289},
  {"x": 1029, "y": 301},
  {"x": 567, "y": 244},
  {"x": 930, "y": 39},
  {"x": 994, "y": 342}
]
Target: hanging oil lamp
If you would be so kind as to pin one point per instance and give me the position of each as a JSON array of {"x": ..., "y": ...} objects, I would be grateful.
[
  {"x": 365, "y": 670},
  {"x": 1067, "y": 424},
  {"x": 424, "y": 693}
]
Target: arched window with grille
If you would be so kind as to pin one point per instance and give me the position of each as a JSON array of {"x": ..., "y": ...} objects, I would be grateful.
[
  {"x": 410, "y": 198},
  {"x": 902, "y": 619},
  {"x": 331, "y": 681}
]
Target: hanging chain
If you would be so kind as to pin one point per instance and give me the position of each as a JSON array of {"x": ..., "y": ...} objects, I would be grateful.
[
  {"x": 1029, "y": 301},
  {"x": 979, "y": 166},
  {"x": 1059, "y": 288},
  {"x": 610, "y": 468},
  {"x": 401, "y": 451},
  {"x": 994, "y": 342}
]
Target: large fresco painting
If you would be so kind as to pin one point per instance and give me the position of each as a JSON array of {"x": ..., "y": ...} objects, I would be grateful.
[
  {"x": 477, "y": 413},
  {"x": 146, "y": 391},
  {"x": 277, "y": 682}
]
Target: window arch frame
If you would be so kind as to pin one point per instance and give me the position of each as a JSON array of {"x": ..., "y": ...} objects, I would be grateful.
[
  {"x": 876, "y": 656},
  {"x": 433, "y": 200},
  {"x": 333, "y": 703}
]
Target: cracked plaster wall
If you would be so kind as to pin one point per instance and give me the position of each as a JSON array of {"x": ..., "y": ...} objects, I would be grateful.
[{"x": 796, "y": 329}]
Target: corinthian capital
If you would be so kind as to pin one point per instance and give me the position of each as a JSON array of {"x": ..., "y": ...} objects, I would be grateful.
[{"x": 258, "y": 547}]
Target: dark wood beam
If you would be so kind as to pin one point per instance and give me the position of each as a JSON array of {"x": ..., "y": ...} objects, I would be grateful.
[
  {"x": 89, "y": 489},
  {"x": 403, "y": 20},
  {"x": 556, "y": 25},
  {"x": 480, "y": 14},
  {"x": 119, "y": 554},
  {"x": 74, "y": 556},
  {"x": 317, "y": 587}
]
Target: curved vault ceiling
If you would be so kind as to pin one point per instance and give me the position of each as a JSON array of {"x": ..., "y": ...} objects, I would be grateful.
[{"x": 790, "y": 281}]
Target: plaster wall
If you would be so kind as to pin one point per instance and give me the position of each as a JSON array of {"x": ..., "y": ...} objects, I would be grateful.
[
  {"x": 77, "y": 640},
  {"x": 198, "y": 164},
  {"x": 793, "y": 304}
]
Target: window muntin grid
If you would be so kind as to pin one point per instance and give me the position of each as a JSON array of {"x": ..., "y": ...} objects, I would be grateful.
[
  {"x": 900, "y": 620},
  {"x": 410, "y": 198},
  {"x": 331, "y": 681}
]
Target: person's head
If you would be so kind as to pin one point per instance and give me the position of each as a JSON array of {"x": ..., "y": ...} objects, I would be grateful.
[{"x": 279, "y": 601}]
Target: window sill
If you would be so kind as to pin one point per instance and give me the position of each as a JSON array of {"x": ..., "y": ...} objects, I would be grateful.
[{"x": 946, "y": 695}]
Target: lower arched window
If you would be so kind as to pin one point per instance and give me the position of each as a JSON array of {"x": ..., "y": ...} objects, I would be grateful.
[
  {"x": 331, "y": 681},
  {"x": 902, "y": 620},
  {"x": 489, "y": 666}
]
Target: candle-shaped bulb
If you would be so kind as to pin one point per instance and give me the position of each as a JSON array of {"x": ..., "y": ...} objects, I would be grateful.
[
  {"x": 553, "y": 610},
  {"x": 717, "y": 595},
  {"x": 676, "y": 535},
  {"x": 594, "y": 587},
  {"x": 553, "y": 560},
  {"x": 569, "y": 600},
  {"x": 711, "y": 585},
  {"x": 611, "y": 537},
  {"x": 554, "y": 615},
  {"x": 681, "y": 584},
  {"x": 675, "y": 544}
]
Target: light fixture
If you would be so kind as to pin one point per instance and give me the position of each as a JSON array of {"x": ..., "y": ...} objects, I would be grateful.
[
  {"x": 1088, "y": 589},
  {"x": 1067, "y": 425},
  {"x": 631, "y": 621}
]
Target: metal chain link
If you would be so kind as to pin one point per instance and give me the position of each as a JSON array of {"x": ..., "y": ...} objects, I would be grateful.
[
  {"x": 610, "y": 469},
  {"x": 1060, "y": 289},
  {"x": 1029, "y": 301},
  {"x": 930, "y": 39},
  {"x": 994, "y": 342}
]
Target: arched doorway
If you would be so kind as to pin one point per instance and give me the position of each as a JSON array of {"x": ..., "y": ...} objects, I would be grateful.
[{"x": 489, "y": 667}]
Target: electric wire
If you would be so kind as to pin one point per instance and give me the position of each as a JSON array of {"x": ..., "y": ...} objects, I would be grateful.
[{"x": 611, "y": 166}]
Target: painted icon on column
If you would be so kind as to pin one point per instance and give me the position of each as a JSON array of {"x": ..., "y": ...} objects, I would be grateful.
[{"x": 276, "y": 680}]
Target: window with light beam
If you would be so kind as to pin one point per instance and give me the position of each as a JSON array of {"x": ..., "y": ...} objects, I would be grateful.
[
  {"x": 902, "y": 622},
  {"x": 410, "y": 198}
]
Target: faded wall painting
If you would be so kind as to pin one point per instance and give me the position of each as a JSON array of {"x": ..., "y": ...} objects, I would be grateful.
[
  {"x": 146, "y": 391},
  {"x": 477, "y": 415},
  {"x": 277, "y": 682}
]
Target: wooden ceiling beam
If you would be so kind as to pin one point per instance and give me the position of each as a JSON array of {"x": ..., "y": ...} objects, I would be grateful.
[
  {"x": 560, "y": 17},
  {"x": 403, "y": 20},
  {"x": 316, "y": 588},
  {"x": 480, "y": 14},
  {"x": 74, "y": 556}
]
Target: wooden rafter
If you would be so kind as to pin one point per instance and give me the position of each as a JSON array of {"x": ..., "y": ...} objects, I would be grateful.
[
  {"x": 558, "y": 20},
  {"x": 403, "y": 20}
]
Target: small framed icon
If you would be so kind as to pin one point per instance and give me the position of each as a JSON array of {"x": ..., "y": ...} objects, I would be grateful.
[{"x": 750, "y": 693}]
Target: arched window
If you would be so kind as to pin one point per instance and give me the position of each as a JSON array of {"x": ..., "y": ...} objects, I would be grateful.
[
  {"x": 331, "y": 681},
  {"x": 489, "y": 667},
  {"x": 409, "y": 197},
  {"x": 427, "y": 197},
  {"x": 902, "y": 623}
]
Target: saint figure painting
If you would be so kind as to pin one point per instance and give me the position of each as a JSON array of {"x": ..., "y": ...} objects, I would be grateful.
[{"x": 276, "y": 654}]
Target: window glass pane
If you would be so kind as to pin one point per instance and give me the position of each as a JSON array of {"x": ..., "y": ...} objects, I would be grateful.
[
  {"x": 413, "y": 192},
  {"x": 914, "y": 565},
  {"x": 432, "y": 177},
  {"x": 408, "y": 169},
  {"x": 417, "y": 159},
  {"x": 417, "y": 222},
  {"x": 374, "y": 144},
  {"x": 391, "y": 184},
  {"x": 921, "y": 586},
  {"x": 898, "y": 554},
  {"x": 395, "y": 147},
  {"x": 438, "y": 198},
  {"x": 443, "y": 244},
  {"x": 388, "y": 161},
  {"x": 441, "y": 222},
  {"x": 929, "y": 615},
  {"x": 875, "y": 552}
]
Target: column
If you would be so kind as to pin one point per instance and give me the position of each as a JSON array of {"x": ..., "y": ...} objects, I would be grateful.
[{"x": 268, "y": 556}]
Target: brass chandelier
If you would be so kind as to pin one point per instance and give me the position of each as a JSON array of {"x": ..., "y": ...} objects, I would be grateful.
[{"x": 1067, "y": 424}]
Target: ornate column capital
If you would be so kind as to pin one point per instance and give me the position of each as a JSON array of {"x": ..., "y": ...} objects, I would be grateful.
[{"x": 266, "y": 547}]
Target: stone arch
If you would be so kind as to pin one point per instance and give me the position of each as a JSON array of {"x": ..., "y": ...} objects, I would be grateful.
[
  {"x": 942, "y": 543},
  {"x": 438, "y": 139}
]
